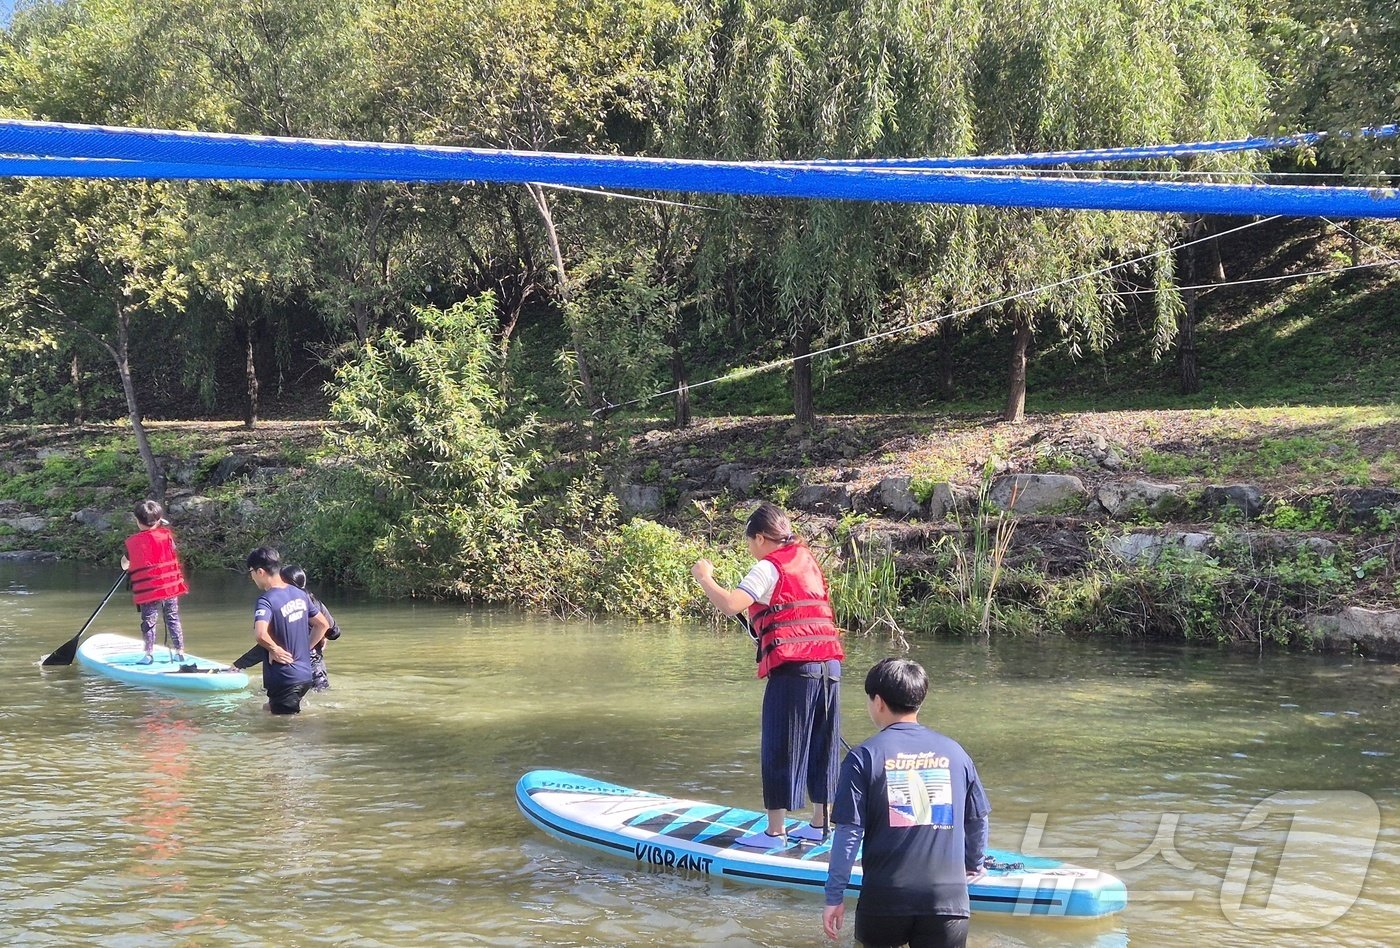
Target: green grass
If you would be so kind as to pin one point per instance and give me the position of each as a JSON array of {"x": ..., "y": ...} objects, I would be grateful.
[{"x": 1330, "y": 340}]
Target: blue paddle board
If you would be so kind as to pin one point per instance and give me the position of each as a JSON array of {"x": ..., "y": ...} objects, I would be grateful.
[
  {"x": 685, "y": 836},
  {"x": 119, "y": 657}
]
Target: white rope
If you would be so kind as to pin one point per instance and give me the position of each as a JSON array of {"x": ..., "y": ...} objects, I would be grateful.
[
  {"x": 627, "y": 197},
  {"x": 1272, "y": 279},
  {"x": 779, "y": 363},
  {"x": 1160, "y": 172}
]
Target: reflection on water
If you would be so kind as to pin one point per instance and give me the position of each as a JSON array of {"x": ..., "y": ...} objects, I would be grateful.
[{"x": 384, "y": 815}]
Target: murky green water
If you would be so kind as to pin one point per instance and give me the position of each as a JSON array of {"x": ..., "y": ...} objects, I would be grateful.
[{"x": 384, "y": 815}]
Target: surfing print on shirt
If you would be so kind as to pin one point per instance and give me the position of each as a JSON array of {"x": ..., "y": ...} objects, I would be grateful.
[{"x": 920, "y": 790}]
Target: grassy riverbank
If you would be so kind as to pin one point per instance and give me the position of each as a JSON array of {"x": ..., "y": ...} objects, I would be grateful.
[
  {"x": 1253, "y": 512},
  {"x": 1257, "y": 578}
]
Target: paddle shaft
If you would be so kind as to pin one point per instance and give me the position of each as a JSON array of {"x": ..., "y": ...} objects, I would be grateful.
[{"x": 63, "y": 655}]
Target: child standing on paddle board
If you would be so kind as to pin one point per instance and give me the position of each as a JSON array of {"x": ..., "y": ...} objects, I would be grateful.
[
  {"x": 157, "y": 581},
  {"x": 799, "y": 653},
  {"x": 913, "y": 796}
]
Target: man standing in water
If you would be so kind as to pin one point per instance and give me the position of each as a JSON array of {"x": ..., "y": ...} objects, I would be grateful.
[
  {"x": 915, "y": 797},
  {"x": 288, "y": 624}
]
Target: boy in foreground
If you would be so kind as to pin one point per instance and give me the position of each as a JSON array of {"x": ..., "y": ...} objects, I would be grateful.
[{"x": 915, "y": 797}]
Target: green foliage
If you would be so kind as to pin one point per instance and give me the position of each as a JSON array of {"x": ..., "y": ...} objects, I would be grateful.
[
  {"x": 922, "y": 489},
  {"x": 105, "y": 474},
  {"x": 866, "y": 591},
  {"x": 421, "y": 423},
  {"x": 1338, "y": 64},
  {"x": 1318, "y": 515}
]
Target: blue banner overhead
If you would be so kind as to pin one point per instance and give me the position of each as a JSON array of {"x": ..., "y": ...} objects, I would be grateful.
[{"x": 47, "y": 149}]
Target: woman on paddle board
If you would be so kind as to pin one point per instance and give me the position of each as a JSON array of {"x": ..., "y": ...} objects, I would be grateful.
[{"x": 799, "y": 653}]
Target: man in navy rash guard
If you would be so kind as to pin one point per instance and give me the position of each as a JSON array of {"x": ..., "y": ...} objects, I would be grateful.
[
  {"x": 287, "y": 623},
  {"x": 915, "y": 797}
]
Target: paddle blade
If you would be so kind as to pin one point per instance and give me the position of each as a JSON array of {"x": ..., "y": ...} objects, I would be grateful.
[{"x": 63, "y": 655}]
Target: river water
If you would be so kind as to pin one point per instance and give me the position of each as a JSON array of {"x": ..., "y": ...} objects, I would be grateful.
[{"x": 1245, "y": 799}]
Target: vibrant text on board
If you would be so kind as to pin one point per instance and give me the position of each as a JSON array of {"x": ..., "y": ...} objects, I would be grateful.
[{"x": 661, "y": 856}]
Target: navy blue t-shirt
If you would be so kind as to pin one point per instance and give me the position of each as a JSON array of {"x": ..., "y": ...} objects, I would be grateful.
[
  {"x": 288, "y": 611},
  {"x": 913, "y": 792}
]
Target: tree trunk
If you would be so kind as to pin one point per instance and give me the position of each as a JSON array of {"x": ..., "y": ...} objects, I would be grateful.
[
  {"x": 1355, "y": 243},
  {"x": 250, "y": 368},
  {"x": 947, "y": 338},
  {"x": 803, "y": 410},
  {"x": 360, "y": 310},
  {"x": 1016, "y": 398},
  {"x": 77, "y": 390},
  {"x": 153, "y": 472},
  {"x": 1188, "y": 359},
  {"x": 678, "y": 382},
  {"x": 512, "y": 304},
  {"x": 585, "y": 380}
]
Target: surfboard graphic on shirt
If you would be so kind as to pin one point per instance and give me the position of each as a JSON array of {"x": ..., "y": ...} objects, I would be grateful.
[{"x": 920, "y": 797}]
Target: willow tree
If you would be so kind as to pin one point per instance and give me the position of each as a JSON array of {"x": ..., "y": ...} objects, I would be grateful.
[
  {"x": 303, "y": 70},
  {"x": 88, "y": 259},
  {"x": 781, "y": 79},
  {"x": 91, "y": 259},
  {"x": 797, "y": 80},
  {"x": 524, "y": 74},
  {"x": 1336, "y": 68},
  {"x": 1088, "y": 74}
]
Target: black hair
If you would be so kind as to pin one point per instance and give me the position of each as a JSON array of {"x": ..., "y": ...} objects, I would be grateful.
[
  {"x": 291, "y": 573},
  {"x": 769, "y": 521},
  {"x": 266, "y": 559},
  {"x": 149, "y": 513},
  {"x": 901, "y": 682}
]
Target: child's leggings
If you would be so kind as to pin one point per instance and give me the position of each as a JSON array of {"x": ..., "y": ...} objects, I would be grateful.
[{"x": 150, "y": 611}]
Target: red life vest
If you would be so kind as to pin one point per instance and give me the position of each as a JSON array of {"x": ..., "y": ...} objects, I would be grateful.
[
  {"x": 797, "y": 624},
  {"x": 155, "y": 568}
]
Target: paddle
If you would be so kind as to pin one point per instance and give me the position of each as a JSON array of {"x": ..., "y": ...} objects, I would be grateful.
[{"x": 63, "y": 655}]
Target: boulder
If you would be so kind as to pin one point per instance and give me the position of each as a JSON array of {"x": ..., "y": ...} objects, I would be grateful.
[
  {"x": 91, "y": 517},
  {"x": 1125, "y": 499},
  {"x": 735, "y": 478},
  {"x": 1148, "y": 547},
  {"x": 1321, "y": 546},
  {"x": 231, "y": 467},
  {"x": 634, "y": 499},
  {"x": 27, "y": 556},
  {"x": 1373, "y": 630},
  {"x": 950, "y": 499},
  {"x": 1039, "y": 493},
  {"x": 892, "y": 496},
  {"x": 1244, "y": 497},
  {"x": 830, "y": 499},
  {"x": 1362, "y": 506},
  {"x": 196, "y": 507},
  {"x": 26, "y": 524},
  {"x": 43, "y": 454},
  {"x": 181, "y": 471}
]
